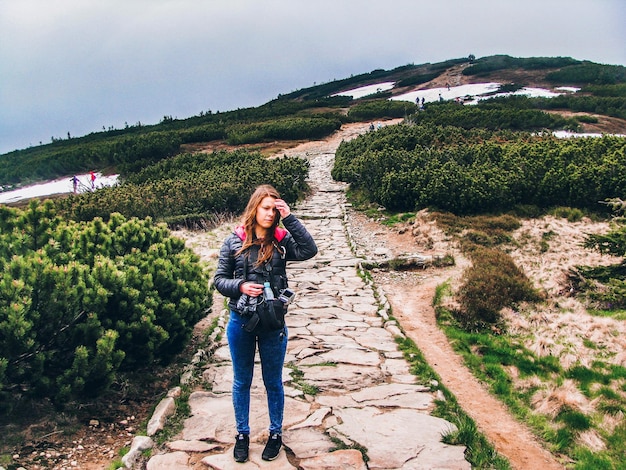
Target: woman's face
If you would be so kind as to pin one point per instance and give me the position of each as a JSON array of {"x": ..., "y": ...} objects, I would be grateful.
[{"x": 266, "y": 212}]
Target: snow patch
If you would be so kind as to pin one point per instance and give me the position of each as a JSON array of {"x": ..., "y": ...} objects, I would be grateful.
[
  {"x": 366, "y": 90},
  {"x": 59, "y": 186},
  {"x": 448, "y": 93},
  {"x": 568, "y": 134}
]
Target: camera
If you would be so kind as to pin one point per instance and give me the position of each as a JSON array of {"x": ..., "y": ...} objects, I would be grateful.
[{"x": 286, "y": 296}]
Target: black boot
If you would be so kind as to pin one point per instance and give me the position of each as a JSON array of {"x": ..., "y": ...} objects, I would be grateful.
[
  {"x": 272, "y": 448},
  {"x": 242, "y": 444}
]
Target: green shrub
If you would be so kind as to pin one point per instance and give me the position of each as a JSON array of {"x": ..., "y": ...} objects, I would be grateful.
[
  {"x": 380, "y": 109},
  {"x": 569, "y": 213},
  {"x": 418, "y": 79},
  {"x": 586, "y": 119},
  {"x": 589, "y": 73},
  {"x": 606, "y": 90},
  {"x": 82, "y": 301},
  {"x": 490, "y": 284},
  {"x": 490, "y": 117},
  {"x": 607, "y": 105},
  {"x": 486, "y": 65},
  {"x": 67, "y": 157},
  {"x": 607, "y": 284},
  {"x": 281, "y": 129},
  {"x": 474, "y": 171},
  {"x": 191, "y": 186}
]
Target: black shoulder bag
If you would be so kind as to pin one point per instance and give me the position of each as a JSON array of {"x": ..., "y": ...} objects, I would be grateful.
[{"x": 270, "y": 312}]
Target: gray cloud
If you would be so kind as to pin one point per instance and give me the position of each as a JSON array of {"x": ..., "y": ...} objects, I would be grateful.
[{"x": 76, "y": 66}]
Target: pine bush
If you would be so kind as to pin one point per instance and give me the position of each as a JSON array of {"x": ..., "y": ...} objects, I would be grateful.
[
  {"x": 80, "y": 302},
  {"x": 492, "y": 283}
]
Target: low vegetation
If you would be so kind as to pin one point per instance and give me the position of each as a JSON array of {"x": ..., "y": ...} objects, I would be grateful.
[
  {"x": 412, "y": 167},
  {"x": 84, "y": 301},
  {"x": 573, "y": 403},
  {"x": 190, "y": 188}
]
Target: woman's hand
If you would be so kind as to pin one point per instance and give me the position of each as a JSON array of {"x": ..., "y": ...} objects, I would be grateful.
[
  {"x": 282, "y": 207},
  {"x": 251, "y": 288}
]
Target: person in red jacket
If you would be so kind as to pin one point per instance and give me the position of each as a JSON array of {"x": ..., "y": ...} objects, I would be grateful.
[{"x": 251, "y": 272}]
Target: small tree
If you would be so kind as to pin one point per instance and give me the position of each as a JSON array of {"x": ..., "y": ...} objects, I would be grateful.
[
  {"x": 492, "y": 283},
  {"x": 614, "y": 242},
  {"x": 612, "y": 292}
]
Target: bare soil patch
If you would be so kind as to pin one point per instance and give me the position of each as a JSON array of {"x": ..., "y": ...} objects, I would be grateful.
[{"x": 605, "y": 124}]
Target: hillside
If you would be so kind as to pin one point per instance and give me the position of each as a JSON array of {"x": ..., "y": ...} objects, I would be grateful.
[
  {"x": 600, "y": 100},
  {"x": 195, "y": 173}
]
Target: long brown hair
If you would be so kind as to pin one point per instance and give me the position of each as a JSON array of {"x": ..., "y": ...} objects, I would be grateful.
[{"x": 248, "y": 221}]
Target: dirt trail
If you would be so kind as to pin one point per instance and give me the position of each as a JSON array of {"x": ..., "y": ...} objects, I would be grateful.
[{"x": 412, "y": 308}]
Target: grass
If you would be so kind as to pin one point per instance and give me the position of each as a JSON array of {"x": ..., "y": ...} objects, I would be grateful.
[
  {"x": 492, "y": 357},
  {"x": 117, "y": 463},
  {"x": 297, "y": 379},
  {"x": 176, "y": 422},
  {"x": 340, "y": 445},
  {"x": 359, "y": 200},
  {"x": 615, "y": 314},
  {"x": 392, "y": 219},
  {"x": 479, "y": 452}
]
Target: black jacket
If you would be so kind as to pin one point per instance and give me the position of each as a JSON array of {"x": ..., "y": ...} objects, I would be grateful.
[{"x": 298, "y": 245}]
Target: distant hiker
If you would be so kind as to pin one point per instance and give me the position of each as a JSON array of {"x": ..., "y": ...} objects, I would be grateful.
[
  {"x": 372, "y": 126},
  {"x": 440, "y": 97},
  {"x": 92, "y": 177},
  {"x": 448, "y": 86},
  {"x": 379, "y": 125},
  {"x": 423, "y": 101},
  {"x": 75, "y": 183}
]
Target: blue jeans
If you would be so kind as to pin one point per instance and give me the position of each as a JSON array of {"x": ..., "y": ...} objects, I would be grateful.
[{"x": 272, "y": 349}]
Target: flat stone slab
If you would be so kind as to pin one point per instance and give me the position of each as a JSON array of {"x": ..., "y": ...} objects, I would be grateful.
[
  {"x": 169, "y": 461},
  {"x": 377, "y": 339},
  {"x": 339, "y": 460},
  {"x": 192, "y": 446},
  {"x": 345, "y": 355},
  {"x": 307, "y": 442},
  {"x": 385, "y": 436},
  {"x": 347, "y": 377}
]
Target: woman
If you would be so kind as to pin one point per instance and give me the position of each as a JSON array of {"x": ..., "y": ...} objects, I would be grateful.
[{"x": 255, "y": 253}]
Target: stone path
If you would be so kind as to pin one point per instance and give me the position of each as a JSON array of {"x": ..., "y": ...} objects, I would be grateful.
[{"x": 347, "y": 385}]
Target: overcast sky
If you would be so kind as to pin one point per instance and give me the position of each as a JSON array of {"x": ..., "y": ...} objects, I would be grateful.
[{"x": 78, "y": 65}]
